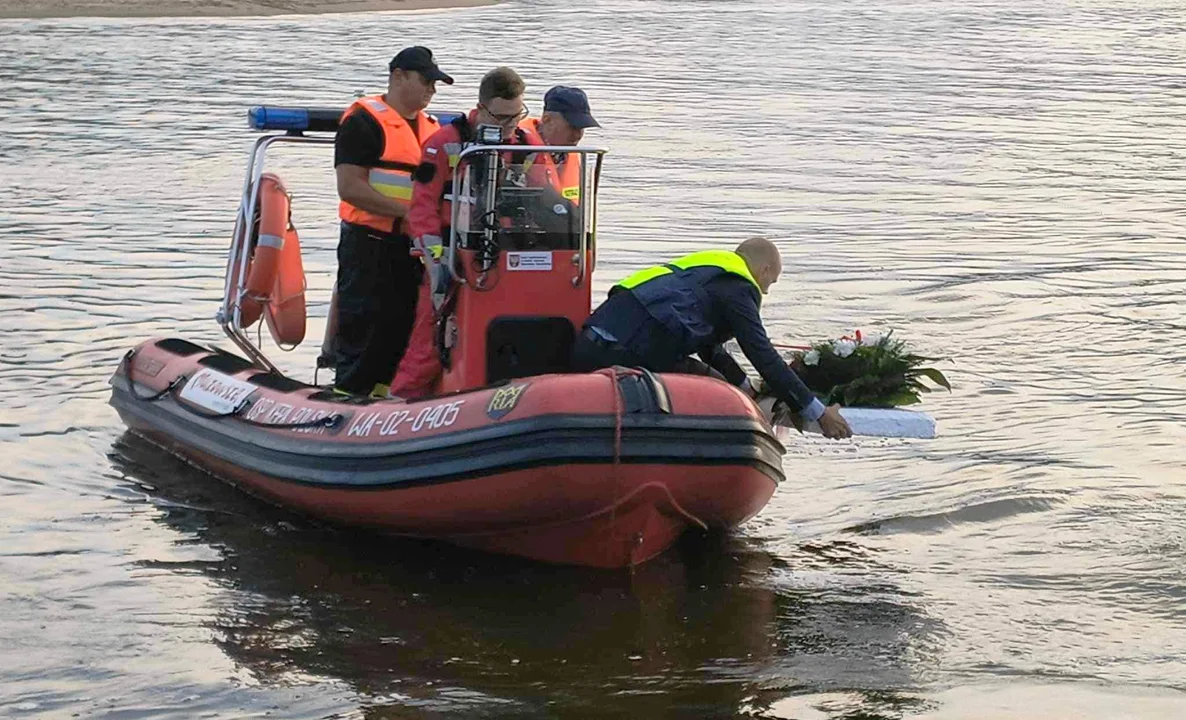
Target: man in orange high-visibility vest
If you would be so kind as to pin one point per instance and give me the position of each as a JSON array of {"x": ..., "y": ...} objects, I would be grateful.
[
  {"x": 377, "y": 149},
  {"x": 564, "y": 120}
]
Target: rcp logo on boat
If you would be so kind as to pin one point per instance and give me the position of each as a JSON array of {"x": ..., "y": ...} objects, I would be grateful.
[
  {"x": 529, "y": 261},
  {"x": 504, "y": 400}
]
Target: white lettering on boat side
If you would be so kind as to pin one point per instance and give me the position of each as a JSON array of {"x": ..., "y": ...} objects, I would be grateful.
[
  {"x": 259, "y": 408},
  {"x": 378, "y": 424},
  {"x": 431, "y": 417},
  {"x": 362, "y": 425},
  {"x": 267, "y": 411}
]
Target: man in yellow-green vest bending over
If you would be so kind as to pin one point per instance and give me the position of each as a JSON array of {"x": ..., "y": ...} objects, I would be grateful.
[{"x": 658, "y": 317}]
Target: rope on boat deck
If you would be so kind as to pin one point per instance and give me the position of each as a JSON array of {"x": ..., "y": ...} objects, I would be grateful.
[
  {"x": 614, "y": 373},
  {"x": 126, "y": 366},
  {"x": 329, "y": 421}
]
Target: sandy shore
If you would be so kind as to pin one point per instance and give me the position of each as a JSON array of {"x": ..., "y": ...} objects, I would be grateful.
[{"x": 211, "y": 8}]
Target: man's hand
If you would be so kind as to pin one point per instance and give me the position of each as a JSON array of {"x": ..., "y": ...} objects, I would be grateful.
[
  {"x": 833, "y": 425},
  {"x": 749, "y": 387}
]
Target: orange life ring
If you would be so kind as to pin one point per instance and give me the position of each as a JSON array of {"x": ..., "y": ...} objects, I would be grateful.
[
  {"x": 286, "y": 306},
  {"x": 273, "y": 207},
  {"x": 276, "y": 278}
]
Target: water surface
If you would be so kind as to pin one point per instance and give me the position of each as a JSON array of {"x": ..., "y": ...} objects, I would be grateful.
[{"x": 998, "y": 182}]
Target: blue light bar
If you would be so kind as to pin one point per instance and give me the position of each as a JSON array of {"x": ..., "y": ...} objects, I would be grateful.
[
  {"x": 266, "y": 118},
  {"x": 290, "y": 119},
  {"x": 293, "y": 119}
]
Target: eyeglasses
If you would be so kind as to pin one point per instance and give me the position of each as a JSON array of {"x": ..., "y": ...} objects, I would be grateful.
[{"x": 505, "y": 120}]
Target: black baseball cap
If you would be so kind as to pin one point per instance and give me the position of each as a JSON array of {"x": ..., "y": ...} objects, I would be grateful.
[
  {"x": 418, "y": 58},
  {"x": 573, "y": 104}
]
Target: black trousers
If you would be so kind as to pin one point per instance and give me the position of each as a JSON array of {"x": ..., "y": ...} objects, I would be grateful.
[
  {"x": 378, "y": 282},
  {"x": 592, "y": 352}
]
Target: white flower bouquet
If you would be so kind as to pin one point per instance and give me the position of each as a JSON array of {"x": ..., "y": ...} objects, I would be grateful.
[{"x": 865, "y": 370}]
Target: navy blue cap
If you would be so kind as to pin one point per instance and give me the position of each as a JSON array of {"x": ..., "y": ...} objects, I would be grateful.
[
  {"x": 418, "y": 58},
  {"x": 573, "y": 104}
]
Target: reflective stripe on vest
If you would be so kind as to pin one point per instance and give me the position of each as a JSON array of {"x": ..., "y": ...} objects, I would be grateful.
[
  {"x": 391, "y": 176},
  {"x": 726, "y": 260},
  {"x": 570, "y": 176},
  {"x": 392, "y": 183}
]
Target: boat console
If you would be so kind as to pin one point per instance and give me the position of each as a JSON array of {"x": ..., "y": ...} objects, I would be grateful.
[{"x": 520, "y": 252}]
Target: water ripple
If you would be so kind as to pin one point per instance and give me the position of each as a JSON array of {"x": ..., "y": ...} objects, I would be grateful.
[{"x": 995, "y": 181}]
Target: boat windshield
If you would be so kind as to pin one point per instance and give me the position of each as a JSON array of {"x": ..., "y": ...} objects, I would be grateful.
[{"x": 521, "y": 203}]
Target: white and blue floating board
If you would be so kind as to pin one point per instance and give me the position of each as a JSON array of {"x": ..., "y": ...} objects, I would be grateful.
[{"x": 874, "y": 422}]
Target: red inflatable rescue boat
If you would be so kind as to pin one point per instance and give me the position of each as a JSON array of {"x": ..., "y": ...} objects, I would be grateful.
[{"x": 513, "y": 454}]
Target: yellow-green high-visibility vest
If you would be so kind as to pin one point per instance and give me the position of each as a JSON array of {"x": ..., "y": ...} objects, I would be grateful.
[{"x": 726, "y": 260}]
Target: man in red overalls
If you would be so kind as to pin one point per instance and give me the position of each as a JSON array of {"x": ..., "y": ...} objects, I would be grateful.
[{"x": 500, "y": 102}]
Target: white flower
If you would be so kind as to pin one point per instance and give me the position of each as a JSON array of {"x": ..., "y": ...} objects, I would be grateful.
[
  {"x": 811, "y": 357},
  {"x": 870, "y": 339},
  {"x": 844, "y": 348}
]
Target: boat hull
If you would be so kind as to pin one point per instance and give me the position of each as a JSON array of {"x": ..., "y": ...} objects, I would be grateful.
[{"x": 601, "y": 470}]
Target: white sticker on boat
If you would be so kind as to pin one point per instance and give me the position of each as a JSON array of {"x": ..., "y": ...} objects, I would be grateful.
[
  {"x": 216, "y": 392},
  {"x": 529, "y": 261}
]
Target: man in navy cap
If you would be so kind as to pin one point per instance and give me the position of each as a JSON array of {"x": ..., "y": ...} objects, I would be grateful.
[{"x": 565, "y": 117}]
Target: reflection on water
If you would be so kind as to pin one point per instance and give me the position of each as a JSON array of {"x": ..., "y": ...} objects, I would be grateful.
[
  {"x": 703, "y": 631},
  {"x": 996, "y": 181}
]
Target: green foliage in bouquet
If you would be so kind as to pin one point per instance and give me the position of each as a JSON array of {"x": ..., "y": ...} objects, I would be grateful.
[{"x": 866, "y": 372}]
